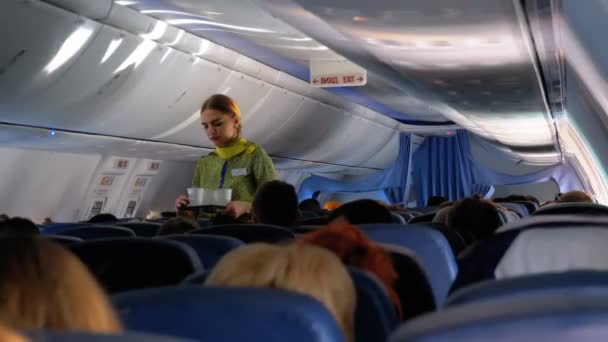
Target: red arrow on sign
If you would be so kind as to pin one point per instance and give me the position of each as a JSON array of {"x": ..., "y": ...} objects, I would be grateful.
[
  {"x": 315, "y": 81},
  {"x": 360, "y": 79}
]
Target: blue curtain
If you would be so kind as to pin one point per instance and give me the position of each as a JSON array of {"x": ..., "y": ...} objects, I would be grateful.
[
  {"x": 392, "y": 180},
  {"x": 446, "y": 167},
  {"x": 442, "y": 168}
]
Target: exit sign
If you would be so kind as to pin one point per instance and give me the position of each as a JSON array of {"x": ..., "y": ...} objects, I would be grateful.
[{"x": 336, "y": 74}]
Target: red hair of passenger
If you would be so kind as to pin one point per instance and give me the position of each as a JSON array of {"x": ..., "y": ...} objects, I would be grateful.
[{"x": 355, "y": 249}]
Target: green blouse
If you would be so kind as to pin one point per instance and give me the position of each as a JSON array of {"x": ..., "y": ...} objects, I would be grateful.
[{"x": 244, "y": 173}]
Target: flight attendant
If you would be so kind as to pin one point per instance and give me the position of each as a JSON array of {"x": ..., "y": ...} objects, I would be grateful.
[{"x": 236, "y": 163}]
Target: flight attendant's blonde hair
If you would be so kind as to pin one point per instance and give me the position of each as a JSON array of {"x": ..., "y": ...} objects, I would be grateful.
[
  {"x": 44, "y": 286},
  {"x": 224, "y": 104},
  {"x": 305, "y": 269}
]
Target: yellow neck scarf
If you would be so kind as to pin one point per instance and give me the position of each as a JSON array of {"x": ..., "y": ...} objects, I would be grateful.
[{"x": 229, "y": 152}]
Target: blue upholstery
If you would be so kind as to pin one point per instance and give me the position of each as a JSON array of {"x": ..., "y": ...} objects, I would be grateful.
[
  {"x": 520, "y": 209},
  {"x": 375, "y": 315},
  {"x": 428, "y": 244},
  {"x": 65, "y": 336},
  {"x": 531, "y": 206},
  {"x": 56, "y": 228},
  {"x": 249, "y": 233},
  {"x": 530, "y": 286},
  {"x": 566, "y": 315},
  {"x": 228, "y": 314},
  {"x": 143, "y": 229},
  {"x": 125, "y": 264},
  {"x": 64, "y": 240},
  {"x": 94, "y": 232},
  {"x": 210, "y": 248},
  {"x": 398, "y": 219},
  {"x": 424, "y": 218},
  {"x": 590, "y": 209}
]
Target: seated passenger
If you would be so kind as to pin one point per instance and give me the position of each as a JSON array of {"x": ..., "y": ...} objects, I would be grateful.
[
  {"x": 275, "y": 203},
  {"x": 103, "y": 218},
  {"x": 435, "y": 201},
  {"x": 441, "y": 217},
  {"x": 44, "y": 286},
  {"x": 363, "y": 212},
  {"x": 305, "y": 269},
  {"x": 478, "y": 217},
  {"x": 355, "y": 249},
  {"x": 178, "y": 225},
  {"x": 310, "y": 204},
  {"x": 575, "y": 197},
  {"x": 17, "y": 226}
]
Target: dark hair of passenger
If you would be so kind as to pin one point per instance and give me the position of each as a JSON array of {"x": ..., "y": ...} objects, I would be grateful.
[
  {"x": 479, "y": 217},
  {"x": 18, "y": 226},
  {"x": 275, "y": 203},
  {"x": 103, "y": 218},
  {"x": 435, "y": 201},
  {"x": 575, "y": 197},
  {"x": 45, "y": 286},
  {"x": 178, "y": 225},
  {"x": 168, "y": 214},
  {"x": 310, "y": 204},
  {"x": 363, "y": 212}
]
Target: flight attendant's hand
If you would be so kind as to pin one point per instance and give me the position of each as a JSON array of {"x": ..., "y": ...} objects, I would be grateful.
[
  {"x": 238, "y": 208},
  {"x": 181, "y": 201}
]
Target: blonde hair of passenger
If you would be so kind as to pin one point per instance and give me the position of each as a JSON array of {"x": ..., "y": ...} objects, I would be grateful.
[
  {"x": 44, "y": 286},
  {"x": 575, "y": 197},
  {"x": 305, "y": 269}
]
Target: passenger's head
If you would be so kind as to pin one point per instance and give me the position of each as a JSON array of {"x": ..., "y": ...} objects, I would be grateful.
[
  {"x": 299, "y": 268},
  {"x": 331, "y": 205},
  {"x": 355, "y": 249},
  {"x": 276, "y": 203},
  {"x": 575, "y": 197},
  {"x": 178, "y": 225},
  {"x": 18, "y": 226},
  {"x": 103, "y": 218},
  {"x": 310, "y": 204},
  {"x": 481, "y": 218},
  {"x": 435, "y": 201},
  {"x": 362, "y": 212},
  {"x": 44, "y": 286},
  {"x": 221, "y": 119}
]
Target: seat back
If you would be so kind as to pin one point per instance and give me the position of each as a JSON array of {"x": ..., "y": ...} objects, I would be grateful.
[
  {"x": 375, "y": 315},
  {"x": 228, "y": 314},
  {"x": 424, "y": 218},
  {"x": 530, "y": 286},
  {"x": 209, "y": 248},
  {"x": 316, "y": 221},
  {"x": 590, "y": 209},
  {"x": 564, "y": 316},
  {"x": 68, "y": 336},
  {"x": 429, "y": 245},
  {"x": 125, "y": 264},
  {"x": 95, "y": 232},
  {"x": 142, "y": 229},
  {"x": 63, "y": 240},
  {"x": 249, "y": 233},
  {"x": 520, "y": 209},
  {"x": 555, "y": 250},
  {"x": 398, "y": 219},
  {"x": 412, "y": 286}
]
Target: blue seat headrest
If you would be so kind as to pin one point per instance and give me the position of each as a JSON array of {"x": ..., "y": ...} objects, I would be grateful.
[
  {"x": 94, "y": 232},
  {"x": 429, "y": 245},
  {"x": 143, "y": 229},
  {"x": 375, "y": 315},
  {"x": 228, "y": 314},
  {"x": 530, "y": 286},
  {"x": 134, "y": 263},
  {"x": 210, "y": 248},
  {"x": 249, "y": 233},
  {"x": 564, "y": 316}
]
